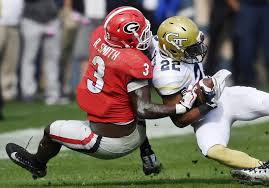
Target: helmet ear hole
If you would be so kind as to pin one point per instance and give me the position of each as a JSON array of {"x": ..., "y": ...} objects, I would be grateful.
[{"x": 130, "y": 40}]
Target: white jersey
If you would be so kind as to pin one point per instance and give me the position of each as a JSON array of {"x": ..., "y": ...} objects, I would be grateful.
[{"x": 170, "y": 76}]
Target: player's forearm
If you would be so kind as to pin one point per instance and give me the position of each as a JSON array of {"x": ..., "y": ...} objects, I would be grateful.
[
  {"x": 183, "y": 119},
  {"x": 145, "y": 109},
  {"x": 155, "y": 111},
  {"x": 187, "y": 118},
  {"x": 195, "y": 114}
]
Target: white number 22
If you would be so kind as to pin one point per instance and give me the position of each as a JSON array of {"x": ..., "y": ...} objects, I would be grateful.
[{"x": 98, "y": 74}]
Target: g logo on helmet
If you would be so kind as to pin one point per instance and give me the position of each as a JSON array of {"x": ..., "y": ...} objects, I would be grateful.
[{"x": 131, "y": 27}]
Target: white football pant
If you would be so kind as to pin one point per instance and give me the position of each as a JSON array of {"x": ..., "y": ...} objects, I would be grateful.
[{"x": 77, "y": 135}]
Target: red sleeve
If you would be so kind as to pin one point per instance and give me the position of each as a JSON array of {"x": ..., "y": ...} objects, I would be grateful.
[{"x": 140, "y": 67}]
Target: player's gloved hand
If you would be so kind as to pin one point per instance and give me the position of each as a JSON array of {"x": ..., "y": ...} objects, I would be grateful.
[
  {"x": 209, "y": 94},
  {"x": 210, "y": 104},
  {"x": 219, "y": 79},
  {"x": 189, "y": 97}
]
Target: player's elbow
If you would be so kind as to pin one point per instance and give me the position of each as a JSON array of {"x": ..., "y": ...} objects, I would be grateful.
[
  {"x": 144, "y": 112},
  {"x": 179, "y": 123}
]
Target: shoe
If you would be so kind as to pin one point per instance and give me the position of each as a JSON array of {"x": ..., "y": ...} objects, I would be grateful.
[
  {"x": 253, "y": 176},
  {"x": 151, "y": 165},
  {"x": 26, "y": 160}
]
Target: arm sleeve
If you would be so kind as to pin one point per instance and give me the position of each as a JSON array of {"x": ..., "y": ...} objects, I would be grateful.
[
  {"x": 140, "y": 68},
  {"x": 136, "y": 84}
]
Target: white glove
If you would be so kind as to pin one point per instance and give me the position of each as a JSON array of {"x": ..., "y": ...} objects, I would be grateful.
[
  {"x": 189, "y": 97},
  {"x": 219, "y": 81}
]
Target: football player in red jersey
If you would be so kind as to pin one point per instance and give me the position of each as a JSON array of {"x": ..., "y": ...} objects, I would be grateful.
[{"x": 114, "y": 93}]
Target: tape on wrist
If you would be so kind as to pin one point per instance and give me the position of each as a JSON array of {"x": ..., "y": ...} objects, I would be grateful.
[{"x": 180, "y": 109}]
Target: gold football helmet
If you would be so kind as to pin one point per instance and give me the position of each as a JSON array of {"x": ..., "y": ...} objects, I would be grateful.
[{"x": 180, "y": 39}]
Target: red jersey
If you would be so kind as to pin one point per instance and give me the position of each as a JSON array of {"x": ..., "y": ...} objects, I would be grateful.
[{"x": 102, "y": 92}]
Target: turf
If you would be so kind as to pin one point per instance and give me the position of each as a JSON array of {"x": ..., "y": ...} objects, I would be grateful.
[
  {"x": 20, "y": 115},
  {"x": 184, "y": 166}
]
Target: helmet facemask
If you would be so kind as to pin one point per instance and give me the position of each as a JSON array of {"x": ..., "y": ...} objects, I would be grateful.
[
  {"x": 145, "y": 38},
  {"x": 196, "y": 52}
]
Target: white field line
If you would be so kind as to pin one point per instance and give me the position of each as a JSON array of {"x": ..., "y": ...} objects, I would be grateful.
[{"x": 155, "y": 129}]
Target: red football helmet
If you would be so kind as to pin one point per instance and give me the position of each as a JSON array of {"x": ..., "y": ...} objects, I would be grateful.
[{"x": 126, "y": 27}]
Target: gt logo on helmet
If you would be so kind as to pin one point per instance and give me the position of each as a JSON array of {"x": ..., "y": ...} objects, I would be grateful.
[
  {"x": 131, "y": 27},
  {"x": 177, "y": 41}
]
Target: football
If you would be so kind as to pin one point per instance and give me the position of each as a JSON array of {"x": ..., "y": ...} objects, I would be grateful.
[{"x": 200, "y": 95}]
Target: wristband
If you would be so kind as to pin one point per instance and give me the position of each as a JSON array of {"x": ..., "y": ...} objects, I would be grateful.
[
  {"x": 180, "y": 109},
  {"x": 204, "y": 109}
]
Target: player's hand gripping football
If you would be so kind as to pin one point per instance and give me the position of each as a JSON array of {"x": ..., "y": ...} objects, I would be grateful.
[
  {"x": 188, "y": 97},
  {"x": 213, "y": 92},
  {"x": 209, "y": 94},
  {"x": 219, "y": 80}
]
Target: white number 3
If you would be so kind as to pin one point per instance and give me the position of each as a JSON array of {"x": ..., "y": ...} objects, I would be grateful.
[
  {"x": 146, "y": 72},
  {"x": 98, "y": 74}
]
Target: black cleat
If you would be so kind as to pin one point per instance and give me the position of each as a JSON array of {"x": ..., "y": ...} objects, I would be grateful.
[
  {"x": 26, "y": 160},
  {"x": 151, "y": 165},
  {"x": 252, "y": 176}
]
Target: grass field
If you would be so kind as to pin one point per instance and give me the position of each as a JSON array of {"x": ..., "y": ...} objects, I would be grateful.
[{"x": 184, "y": 166}]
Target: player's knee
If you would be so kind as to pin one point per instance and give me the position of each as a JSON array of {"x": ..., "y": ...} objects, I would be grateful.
[
  {"x": 54, "y": 126},
  {"x": 216, "y": 151},
  {"x": 57, "y": 123}
]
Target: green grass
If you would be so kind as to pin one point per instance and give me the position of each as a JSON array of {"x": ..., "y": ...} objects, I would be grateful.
[
  {"x": 184, "y": 166},
  {"x": 20, "y": 115}
]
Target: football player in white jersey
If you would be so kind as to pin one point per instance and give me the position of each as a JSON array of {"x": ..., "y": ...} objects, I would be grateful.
[{"x": 177, "y": 54}]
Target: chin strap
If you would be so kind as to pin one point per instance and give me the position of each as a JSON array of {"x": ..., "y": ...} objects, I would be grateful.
[{"x": 219, "y": 81}]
